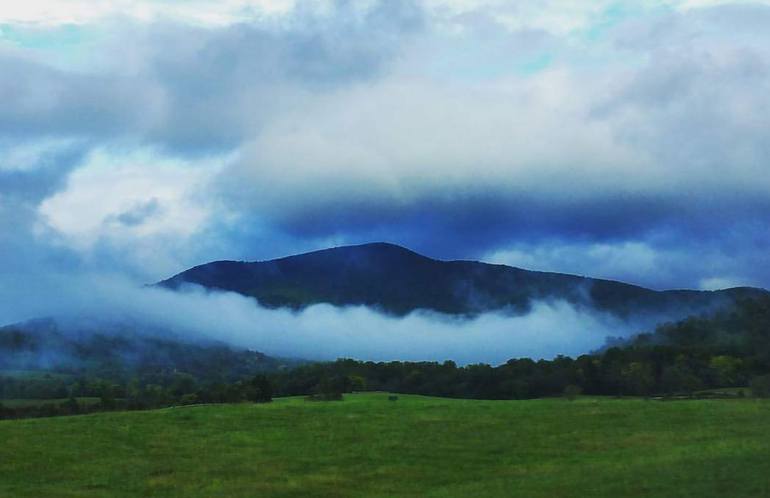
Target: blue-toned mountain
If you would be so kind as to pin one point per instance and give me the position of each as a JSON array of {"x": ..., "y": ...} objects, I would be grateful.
[{"x": 398, "y": 281}]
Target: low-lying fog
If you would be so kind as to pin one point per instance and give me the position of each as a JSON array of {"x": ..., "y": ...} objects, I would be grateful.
[{"x": 321, "y": 332}]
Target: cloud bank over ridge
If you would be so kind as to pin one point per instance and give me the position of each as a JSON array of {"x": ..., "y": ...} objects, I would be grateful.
[
  {"x": 319, "y": 332},
  {"x": 624, "y": 140}
]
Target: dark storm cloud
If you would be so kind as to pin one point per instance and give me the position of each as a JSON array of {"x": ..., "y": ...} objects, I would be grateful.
[
  {"x": 728, "y": 235},
  {"x": 639, "y": 151},
  {"x": 373, "y": 124},
  {"x": 178, "y": 90},
  {"x": 667, "y": 149}
]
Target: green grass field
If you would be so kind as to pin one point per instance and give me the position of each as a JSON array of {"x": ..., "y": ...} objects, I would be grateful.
[{"x": 367, "y": 446}]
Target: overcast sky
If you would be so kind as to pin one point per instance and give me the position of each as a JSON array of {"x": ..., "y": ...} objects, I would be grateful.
[{"x": 626, "y": 140}]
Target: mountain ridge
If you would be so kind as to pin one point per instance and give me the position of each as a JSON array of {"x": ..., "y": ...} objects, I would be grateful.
[
  {"x": 120, "y": 348},
  {"x": 398, "y": 280}
]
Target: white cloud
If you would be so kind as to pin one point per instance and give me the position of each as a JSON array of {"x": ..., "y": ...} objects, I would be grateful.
[
  {"x": 204, "y": 12},
  {"x": 130, "y": 200},
  {"x": 22, "y": 156},
  {"x": 698, "y": 4},
  {"x": 664, "y": 115},
  {"x": 560, "y": 17},
  {"x": 591, "y": 259},
  {"x": 320, "y": 332},
  {"x": 717, "y": 283}
]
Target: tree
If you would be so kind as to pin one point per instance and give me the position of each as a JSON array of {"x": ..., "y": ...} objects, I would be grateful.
[
  {"x": 571, "y": 392},
  {"x": 760, "y": 386},
  {"x": 188, "y": 399},
  {"x": 330, "y": 389},
  {"x": 357, "y": 383},
  {"x": 516, "y": 389},
  {"x": 71, "y": 406},
  {"x": 679, "y": 379},
  {"x": 234, "y": 393},
  {"x": 261, "y": 389},
  {"x": 726, "y": 370},
  {"x": 107, "y": 396},
  {"x": 182, "y": 383},
  {"x": 638, "y": 378},
  {"x": 154, "y": 395}
]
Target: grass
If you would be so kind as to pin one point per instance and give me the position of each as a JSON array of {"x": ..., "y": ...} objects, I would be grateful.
[{"x": 367, "y": 446}]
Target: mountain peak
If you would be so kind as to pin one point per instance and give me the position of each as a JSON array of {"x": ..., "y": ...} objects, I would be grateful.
[
  {"x": 367, "y": 249},
  {"x": 397, "y": 280}
]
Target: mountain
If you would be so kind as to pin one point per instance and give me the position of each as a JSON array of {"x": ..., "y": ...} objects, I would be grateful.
[
  {"x": 398, "y": 281},
  {"x": 115, "y": 351}
]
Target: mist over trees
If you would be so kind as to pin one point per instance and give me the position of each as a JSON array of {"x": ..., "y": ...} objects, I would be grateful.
[{"x": 728, "y": 349}]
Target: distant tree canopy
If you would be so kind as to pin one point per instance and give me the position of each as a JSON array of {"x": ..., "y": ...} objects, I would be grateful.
[
  {"x": 760, "y": 386},
  {"x": 260, "y": 389},
  {"x": 728, "y": 349}
]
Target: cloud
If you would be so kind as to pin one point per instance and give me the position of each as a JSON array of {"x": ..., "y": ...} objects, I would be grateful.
[
  {"x": 658, "y": 264},
  {"x": 138, "y": 214},
  {"x": 664, "y": 142},
  {"x": 206, "y": 12},
  {"x": 605, "y": 139},
  {"x": 29, "y": 173},
  {"x": 527, "y": 161},
  {"x": 321, "y": 332},
  {"x": 140, "y": 195}
]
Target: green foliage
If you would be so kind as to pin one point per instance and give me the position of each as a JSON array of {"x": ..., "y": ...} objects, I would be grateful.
[
  {"x": 357, "y": 383},
  {"x": 760, "y": 386},
  {"x": 571, "y": 392},
  {"x": 680, "y": 359},
  {"x": 721, "y": 351},
  {"x": 261, "y": 390},
  {"x": 727, "y": 370},
  {"x": 416, "y": 447},
  {"x": 637, "y": 378},
  {"x": 330, "y": 388},
  {"x": 36, "y": 346},
  {"x": 400, "y": 281},
  {"x": 188, "y": 399}
]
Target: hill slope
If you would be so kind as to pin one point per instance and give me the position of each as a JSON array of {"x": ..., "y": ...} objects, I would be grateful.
[
  {"x": 399, "y": 281},
  {"x": 117, "y": 351}
]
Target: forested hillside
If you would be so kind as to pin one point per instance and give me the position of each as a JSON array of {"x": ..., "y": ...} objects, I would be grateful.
[
  {"x": 730, "y": 348},
  {"x": 396, "y": 280}
]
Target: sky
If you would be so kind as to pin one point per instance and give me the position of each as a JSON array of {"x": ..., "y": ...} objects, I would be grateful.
[{"x": 626, "y": 140}]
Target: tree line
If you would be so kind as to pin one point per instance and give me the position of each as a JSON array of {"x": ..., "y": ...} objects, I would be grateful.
[{"x": 730, "y": 348}]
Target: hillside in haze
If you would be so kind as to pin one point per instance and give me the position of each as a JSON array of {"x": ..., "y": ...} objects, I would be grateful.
[
  {"x": 398, "y": 281},
  {"x": 114, "y": 350}
]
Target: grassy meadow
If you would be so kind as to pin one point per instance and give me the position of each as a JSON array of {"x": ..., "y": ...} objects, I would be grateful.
[{"x": 367, "y": 446}]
